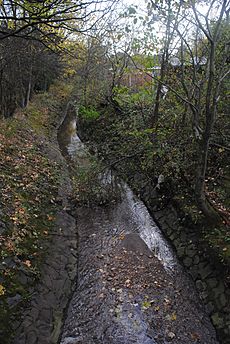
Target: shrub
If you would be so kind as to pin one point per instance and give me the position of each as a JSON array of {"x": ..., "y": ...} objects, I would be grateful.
[{"x": 88, "y": 113}]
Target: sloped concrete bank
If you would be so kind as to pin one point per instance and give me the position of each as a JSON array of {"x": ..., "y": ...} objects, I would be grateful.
[
  {"x": 42, "y": 319},
  {"x": 211, "y": 277}
]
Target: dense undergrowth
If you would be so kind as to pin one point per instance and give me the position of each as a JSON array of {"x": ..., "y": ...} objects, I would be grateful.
[
  {"x": 29, "y": 182},
  {"x": 122, "y": 142}
]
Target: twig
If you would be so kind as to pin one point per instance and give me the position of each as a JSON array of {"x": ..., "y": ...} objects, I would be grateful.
[{"x": 218, "y": 145}]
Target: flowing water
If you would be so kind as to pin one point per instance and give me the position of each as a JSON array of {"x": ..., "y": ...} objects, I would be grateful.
[{"x": 130, "y": 287}]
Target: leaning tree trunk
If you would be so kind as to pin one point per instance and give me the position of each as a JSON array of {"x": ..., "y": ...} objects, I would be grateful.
[
  {"x": 200, "y": 192},
  {"x": 210, "y": 117}
]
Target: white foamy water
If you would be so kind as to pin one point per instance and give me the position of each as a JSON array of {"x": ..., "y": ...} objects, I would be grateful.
[
  {"x": 141, "y": 219},
  {"x": 148, "y": 230},
  {"x": 75, "y": 147}
]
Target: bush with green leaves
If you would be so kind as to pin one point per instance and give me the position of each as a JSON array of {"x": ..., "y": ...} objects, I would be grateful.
[{"x": 88, "y": 113}]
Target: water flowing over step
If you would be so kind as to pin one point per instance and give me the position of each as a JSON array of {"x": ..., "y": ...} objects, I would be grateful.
[
  {"x": 130, "y": 287},
  {"x": 139, "y": 218}
]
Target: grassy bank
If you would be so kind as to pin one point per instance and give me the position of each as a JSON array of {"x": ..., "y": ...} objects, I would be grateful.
[{"x": 29, "y": 182}]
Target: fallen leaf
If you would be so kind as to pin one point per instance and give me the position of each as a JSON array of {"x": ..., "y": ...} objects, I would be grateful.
[
  {"x": 195, "y": 336},
  {"x": 171, "y": 335},
  {"x": 173, "y": 316},
  {"x": 167, "y": 301},
  {"x": 27, "y": 263},
  {"x": 2, "y": 290},
  {"x": 146, "y": 305}
]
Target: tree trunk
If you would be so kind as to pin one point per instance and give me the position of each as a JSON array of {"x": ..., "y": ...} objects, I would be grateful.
[
  {"x": 163, "y": 70},
  {"x": 28, "y": 94},
  {"x": 29, "y": 87},
  {"x": 210, "y": 116},
  {"x": 155, "y": 115},
  {"x": 200, "y": 194}
]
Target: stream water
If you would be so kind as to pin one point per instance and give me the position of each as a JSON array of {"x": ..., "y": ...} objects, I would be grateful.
[{"x": 130, "y": 287}]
